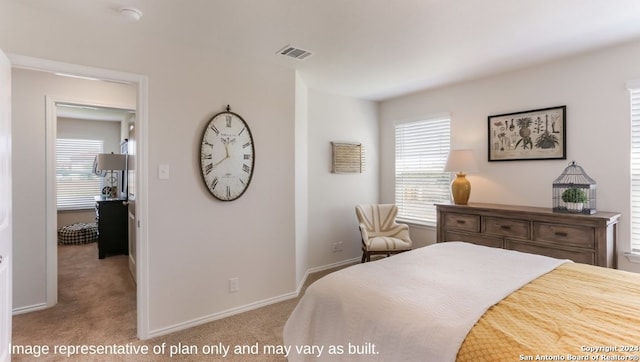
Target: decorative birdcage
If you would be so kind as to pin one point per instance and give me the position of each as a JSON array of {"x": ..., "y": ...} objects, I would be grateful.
[{"x": 574, "y": 191}]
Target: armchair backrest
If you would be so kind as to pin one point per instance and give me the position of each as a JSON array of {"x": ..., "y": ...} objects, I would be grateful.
[{"x": 377, "y": 217}]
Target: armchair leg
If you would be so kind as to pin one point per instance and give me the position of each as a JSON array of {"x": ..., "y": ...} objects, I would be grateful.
[{"x": 364, "y": 257}]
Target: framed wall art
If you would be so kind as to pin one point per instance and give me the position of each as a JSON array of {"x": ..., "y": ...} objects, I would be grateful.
[
  {"x": 538, "y": 134},
  {"x": 347, "y": 157}
]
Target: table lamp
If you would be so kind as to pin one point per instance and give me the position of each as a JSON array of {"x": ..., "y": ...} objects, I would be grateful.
[
  {"x": 111, "y": 162},
  {"x": 461, "y": 161}
]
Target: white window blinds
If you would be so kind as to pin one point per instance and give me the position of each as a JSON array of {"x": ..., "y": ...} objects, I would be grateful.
[
  {"x": 634, "y": 88},
  {"x": 421, "y": 153},
  {"x": 76, "y": 184}
]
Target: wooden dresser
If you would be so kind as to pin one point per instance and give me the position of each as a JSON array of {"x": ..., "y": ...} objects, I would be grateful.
[{"x": 589, "y": 239}]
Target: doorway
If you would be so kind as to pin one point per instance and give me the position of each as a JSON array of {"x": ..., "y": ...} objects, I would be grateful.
[
  {"x": 140, "y": 83},
  {"x": 82, "y": 132}
]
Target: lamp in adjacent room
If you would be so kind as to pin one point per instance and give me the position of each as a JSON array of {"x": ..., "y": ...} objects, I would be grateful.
[
  {"x": 461, "y": 161},
  {"x": 111, "y": 162}
]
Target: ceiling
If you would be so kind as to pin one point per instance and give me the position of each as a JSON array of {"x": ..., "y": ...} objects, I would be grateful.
[{"x": 378, "y": 49}]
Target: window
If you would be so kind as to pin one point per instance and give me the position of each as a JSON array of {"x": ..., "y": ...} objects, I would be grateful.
[
  {"x": 634, "y": 88},
  {"x": 76, "y": 184},
  {"x": 421, "y": 152}
]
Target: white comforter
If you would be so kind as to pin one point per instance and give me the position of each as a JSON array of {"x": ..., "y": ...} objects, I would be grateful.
[{"x": 414, "y": 306}]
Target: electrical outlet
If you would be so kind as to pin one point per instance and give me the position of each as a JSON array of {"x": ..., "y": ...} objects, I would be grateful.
[
  {"x": 234, "y": 285},
  {"x": 337, "y": 246}
]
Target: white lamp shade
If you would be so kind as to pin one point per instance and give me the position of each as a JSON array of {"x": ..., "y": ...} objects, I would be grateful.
[
  {"x": 111, "y": 162},
  {"x": 461, "y": 161}
]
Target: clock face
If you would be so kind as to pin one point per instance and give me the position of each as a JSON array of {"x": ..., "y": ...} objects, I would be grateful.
[{"x": 227, "y": 156}]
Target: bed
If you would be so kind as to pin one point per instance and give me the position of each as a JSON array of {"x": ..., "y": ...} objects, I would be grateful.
[{"x": 458, "y": 301}]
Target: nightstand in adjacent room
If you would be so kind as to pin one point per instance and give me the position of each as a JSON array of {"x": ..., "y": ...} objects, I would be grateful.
[{"x": 113, "y": 224}]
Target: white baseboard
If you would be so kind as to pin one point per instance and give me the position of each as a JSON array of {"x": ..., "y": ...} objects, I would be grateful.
[
  {"x": 247, "y": 307},
  {"x": 220, "y": 315},
  {"x": 323, "y": 268},
  {"x": 30, "y": 308}
]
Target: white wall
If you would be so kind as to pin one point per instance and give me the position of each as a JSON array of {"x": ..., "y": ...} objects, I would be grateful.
[
  {"x": 332, "y": 197},
  {"x": 28, "y": 101},
  {"x": 592, "y": 86},
  {"x": 195, "y": 242},
  {"x": 107, "y": 131}
]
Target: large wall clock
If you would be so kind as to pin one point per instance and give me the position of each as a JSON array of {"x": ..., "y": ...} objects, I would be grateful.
[{"x": 227, "y": 156}]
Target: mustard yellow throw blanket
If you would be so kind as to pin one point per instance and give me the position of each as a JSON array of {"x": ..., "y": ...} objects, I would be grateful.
[{"x": 575, "y": 312}]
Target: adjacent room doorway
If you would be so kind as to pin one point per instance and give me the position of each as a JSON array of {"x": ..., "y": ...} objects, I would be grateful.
[{"x": 140, "y": 82}]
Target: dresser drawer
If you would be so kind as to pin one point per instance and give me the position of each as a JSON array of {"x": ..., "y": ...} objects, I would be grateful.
[
  {"x": 585, "y": 257},
  {"x": 583, "y": 237},
  {"x": 506, "y": 227},
  {"x": 462, "y": 222},
  {"x": 479, "y": 239}
]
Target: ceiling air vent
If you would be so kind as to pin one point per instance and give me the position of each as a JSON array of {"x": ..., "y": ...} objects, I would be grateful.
[{"x": 293, "y": 52}]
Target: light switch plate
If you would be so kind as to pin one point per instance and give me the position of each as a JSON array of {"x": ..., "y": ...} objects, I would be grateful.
[{"x": 163, "y": 171}]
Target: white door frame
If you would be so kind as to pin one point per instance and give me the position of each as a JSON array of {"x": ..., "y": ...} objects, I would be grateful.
[
  {"x": 6, "y": 238},
  {"x": 141, "y": 124}
]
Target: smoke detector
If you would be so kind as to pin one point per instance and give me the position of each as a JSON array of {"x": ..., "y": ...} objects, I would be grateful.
[
  {"x": 131, "y": 14},
  {"x": 295, "y": 53}
]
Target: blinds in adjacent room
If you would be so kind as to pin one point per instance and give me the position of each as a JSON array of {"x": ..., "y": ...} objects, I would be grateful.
[
  {"x": 76, "y": 184},
  {"x": 634, "y": 90},
  {"x": 420, "y": 181}
]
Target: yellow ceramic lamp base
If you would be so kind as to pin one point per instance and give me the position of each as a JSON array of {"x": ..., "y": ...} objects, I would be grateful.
[{"x": 460, "y": 189}]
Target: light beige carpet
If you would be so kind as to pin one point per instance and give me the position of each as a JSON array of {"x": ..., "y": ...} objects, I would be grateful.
[{"x": 97, "y": 307}]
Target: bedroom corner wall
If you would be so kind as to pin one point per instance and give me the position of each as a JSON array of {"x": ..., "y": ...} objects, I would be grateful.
[
  {"x": 592, "y": 86},
  {"x": 332, "y": 197},
  {"x": 302, "y": 180}
]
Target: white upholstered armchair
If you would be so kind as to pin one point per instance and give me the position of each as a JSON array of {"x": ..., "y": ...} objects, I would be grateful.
[{"x": 381, "y": 234}]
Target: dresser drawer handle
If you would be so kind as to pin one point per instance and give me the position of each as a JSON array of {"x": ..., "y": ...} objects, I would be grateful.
[
  {"x": 461, "y": 221},
  {"x": 505, "y": 227},
  {"x": 561, "y": 233}
]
